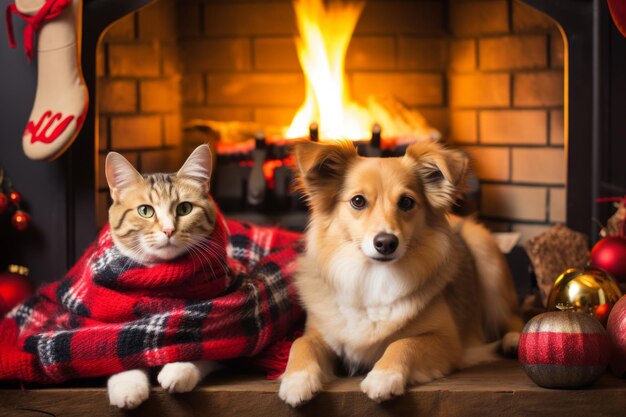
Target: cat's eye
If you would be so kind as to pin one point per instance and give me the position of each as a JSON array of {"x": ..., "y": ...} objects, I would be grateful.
[
  {"x": 184, "y": 208},
  {"x": 406, "y": 203},
  {"x": 145, "y": 211},
  {"x": 358, "y": 202}
]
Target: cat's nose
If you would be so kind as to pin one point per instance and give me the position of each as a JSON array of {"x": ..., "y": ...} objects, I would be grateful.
[{"x": 169, "y": 231}]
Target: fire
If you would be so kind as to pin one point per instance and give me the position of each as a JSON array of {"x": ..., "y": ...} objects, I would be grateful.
[{"x": 325, "y": 33}]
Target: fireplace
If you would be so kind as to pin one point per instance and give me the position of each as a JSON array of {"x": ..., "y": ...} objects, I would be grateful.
[
  {"x": 487, "y": 75},
  {"x": 526, "y": 97}
]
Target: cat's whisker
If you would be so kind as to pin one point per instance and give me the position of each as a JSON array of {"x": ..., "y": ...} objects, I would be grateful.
[
  {"x": 202, "y": 255},
  {"x": 138, "y": 254},
  {"x": 211, "y": 250},
  {"x": 195, "y": 252},
  {"x": 208, "y": 261},
  {"x": 221, "y": 260},
  {"x": 128, "y": 261},
  {"x": 206, "y": 249},
  {"x": 137, "y": 257},
  {"x": 193, "y": 255}
]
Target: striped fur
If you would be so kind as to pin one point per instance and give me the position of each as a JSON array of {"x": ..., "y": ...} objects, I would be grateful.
[{"x": 145, "y": 240}]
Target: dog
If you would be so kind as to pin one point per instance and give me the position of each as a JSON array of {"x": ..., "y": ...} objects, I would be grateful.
[{"x": 392, "y": 283}]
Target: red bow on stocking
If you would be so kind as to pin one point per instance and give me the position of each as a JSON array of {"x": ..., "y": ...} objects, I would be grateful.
[{"x": 50, "y": 10}]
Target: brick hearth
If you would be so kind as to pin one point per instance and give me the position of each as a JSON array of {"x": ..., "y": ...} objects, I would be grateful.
[{"x": 487, "y": 74}]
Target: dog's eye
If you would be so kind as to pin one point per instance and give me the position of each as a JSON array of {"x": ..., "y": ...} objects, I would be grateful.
[
  {"x": 358, "y": 202},
  {"x": 406, "y": 203}
]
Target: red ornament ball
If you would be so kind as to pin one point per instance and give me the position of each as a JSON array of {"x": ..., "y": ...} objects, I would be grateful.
[
  {"x": 609, "y": 254},
  {"x": 14, "y": 289},
  {"x": 4, "y": 202},
  {"x": 616, "y": 327},
  {"x": 20, "y": 220},
  {"x": 564, "y": 349},
  {"x": 15, "y": 198}
]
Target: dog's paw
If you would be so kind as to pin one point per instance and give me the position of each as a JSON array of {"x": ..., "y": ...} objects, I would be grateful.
[
  {"x": 129, "y": 389},
  {"x": 299, "y": 387},
  {"x": 179, "y": 377},
  {"x": 510, "y": 342},
  {"x": 382, "y": 385}
]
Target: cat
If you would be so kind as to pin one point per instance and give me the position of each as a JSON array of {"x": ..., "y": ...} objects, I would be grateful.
[{"x": 156, "y": 218}]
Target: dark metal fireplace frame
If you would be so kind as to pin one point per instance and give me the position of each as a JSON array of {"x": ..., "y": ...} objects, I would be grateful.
[
  {"x": 594, "y": 97},
  {"x": 61, "y": 193}
]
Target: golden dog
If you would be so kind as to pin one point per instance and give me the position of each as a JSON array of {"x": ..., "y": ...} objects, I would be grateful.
[{"x": 391, "y": 282}]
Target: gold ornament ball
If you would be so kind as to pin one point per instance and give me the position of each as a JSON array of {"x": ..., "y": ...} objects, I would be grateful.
[{"x": 589, "y": 290}]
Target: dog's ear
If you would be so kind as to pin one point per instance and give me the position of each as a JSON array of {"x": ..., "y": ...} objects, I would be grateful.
[
  {"x": 322, "y": 168},
  {"x": 441, "y": 171}
]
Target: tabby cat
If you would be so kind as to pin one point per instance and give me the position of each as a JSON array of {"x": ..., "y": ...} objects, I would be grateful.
[{"x": 156, "y": 218}]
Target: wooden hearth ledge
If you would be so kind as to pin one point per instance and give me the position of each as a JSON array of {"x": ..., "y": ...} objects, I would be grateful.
[{"x": 499, "y": 389}]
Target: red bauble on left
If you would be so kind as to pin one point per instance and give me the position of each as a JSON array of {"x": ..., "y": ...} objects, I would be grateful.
[
  {"x": 15, "y": 198},
  {"x": 609, "y": 254},
  {"x": 14, "y": 288},
  {"x": 4, "y": 202},
  {"x": 20, "y": 220}
]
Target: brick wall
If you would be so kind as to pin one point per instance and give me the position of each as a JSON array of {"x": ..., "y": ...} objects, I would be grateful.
[
  {"x": 240, "y": 60},
  {"x": 506, "y": 109},
  {"x": 138, "y": 93},
  {"x": 487, "y": 73}
]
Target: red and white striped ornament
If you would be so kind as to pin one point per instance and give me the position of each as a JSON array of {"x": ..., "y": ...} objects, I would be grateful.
[
  {"x": 564, "y": 349},
  {"x": 616, "y": 327}
]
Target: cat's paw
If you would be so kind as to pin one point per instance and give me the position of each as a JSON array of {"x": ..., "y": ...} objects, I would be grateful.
[
  {"x": 299, "y": 387},
  {"x": 383, "y": 385},
  {"x": 179, "y": 377},
  {"x": 128, "y": 389}
]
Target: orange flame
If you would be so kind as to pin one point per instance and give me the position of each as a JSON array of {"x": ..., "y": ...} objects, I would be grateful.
[{"x": 325, "y": 32}]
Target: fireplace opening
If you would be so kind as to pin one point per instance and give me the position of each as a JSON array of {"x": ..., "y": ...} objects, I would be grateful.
[{"x": 486, "y": 76}]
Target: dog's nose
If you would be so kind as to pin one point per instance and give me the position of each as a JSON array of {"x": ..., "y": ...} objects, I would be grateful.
[{"x": 385, "y": 243}]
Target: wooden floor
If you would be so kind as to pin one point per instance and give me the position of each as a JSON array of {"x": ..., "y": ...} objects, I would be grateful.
[{"x": 499, "y": 389}]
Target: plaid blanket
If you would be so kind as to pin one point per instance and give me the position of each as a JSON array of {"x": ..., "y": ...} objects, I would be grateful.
[{"x": 235, "y": 298}]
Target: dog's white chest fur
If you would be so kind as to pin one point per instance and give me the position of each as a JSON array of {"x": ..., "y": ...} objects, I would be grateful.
[
  {"x": 369, "y": 323},
  {"x": 369, "y": 303}
]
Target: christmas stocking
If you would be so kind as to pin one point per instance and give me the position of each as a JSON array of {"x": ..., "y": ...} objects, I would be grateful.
[{"x": 61, "y": 99}]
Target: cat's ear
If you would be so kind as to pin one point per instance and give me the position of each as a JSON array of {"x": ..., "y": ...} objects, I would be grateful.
[
  {"x": 120, "y": 173},
  {"x": 198, "y": 166}
]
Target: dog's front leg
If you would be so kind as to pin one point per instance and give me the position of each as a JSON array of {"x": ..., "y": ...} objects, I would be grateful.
[
  {"x": 310, "y": 365},
  {"x": 409, "y": 360}
]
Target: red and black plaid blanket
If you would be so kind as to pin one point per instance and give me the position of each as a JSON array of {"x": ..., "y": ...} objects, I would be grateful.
[{"x": 109, "y": 314}]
